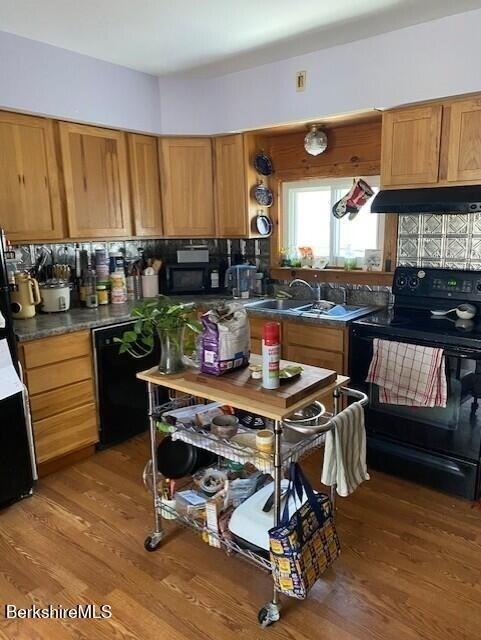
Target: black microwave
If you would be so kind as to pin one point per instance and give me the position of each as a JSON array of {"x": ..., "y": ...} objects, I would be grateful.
[{"x": 193, "y": 277}]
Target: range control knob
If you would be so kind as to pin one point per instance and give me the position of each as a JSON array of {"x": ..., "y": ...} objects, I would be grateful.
[
  {"x": 413, "y": 282},
  {"x": 401, "y": 281},
  {"x": 421, "y": 274},
  {"x": 478, "y": 286}
]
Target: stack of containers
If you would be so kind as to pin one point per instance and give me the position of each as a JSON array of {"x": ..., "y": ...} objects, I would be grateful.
[
  {"x": 118, "y": 283},
  {"x": 102, "y": 269}
]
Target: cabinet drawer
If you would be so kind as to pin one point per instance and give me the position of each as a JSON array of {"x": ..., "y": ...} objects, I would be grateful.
[
  {"x": 56, "y": 349},
  {"x": 315, "y": 357},
  {"x": 256, "y": 346},
  {"x": 256, "y": 325},
  {"x": 58, "y": 375},
  {"x": 324, "y": 338},
  {"x": 65, "y": 432},
  {"x": 50, "y": 403}
]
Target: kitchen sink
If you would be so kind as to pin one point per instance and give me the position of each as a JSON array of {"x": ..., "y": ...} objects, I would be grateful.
[
  {"x": 341, "y": 311},
  {"x": 310, "y": 309},
  {"x": 277, "y": 305}
]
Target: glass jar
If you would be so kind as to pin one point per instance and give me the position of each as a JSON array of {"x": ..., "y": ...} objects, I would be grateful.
[
  {"x": 118, "y": 287},
  {"x": 90, "y": 284},
  {"x": 102, "y": 294}
]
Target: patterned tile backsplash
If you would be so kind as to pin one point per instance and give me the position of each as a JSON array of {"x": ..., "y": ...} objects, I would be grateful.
[
  {"x": 451, "y": 241},
  {"x": 255, "y": 251}
]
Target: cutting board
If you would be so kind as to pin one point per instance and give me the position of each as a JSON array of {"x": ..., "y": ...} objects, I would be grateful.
[{"x": 240, "y": 382}]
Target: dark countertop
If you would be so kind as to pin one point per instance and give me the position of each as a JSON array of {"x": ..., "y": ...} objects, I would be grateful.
[{"x": 51, "y": 324}]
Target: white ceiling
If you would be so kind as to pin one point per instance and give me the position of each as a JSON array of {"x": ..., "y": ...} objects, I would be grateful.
[{"x": 211, "y": 37}]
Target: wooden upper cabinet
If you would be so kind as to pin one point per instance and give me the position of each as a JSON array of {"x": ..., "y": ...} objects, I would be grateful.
[
  {"x": 411, "y": 141},
  {"x": 187, "y": 187},
  {"x": 30, "y": 208},
  {"x": 231, "y": 191},
  {"x": 145, "y": 183},
  {"x": 96, "y": 181},
  {"x": 464, "y": 141}
]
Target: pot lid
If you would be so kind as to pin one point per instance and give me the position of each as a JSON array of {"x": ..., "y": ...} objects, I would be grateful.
[{"x": 54, "y": 285}]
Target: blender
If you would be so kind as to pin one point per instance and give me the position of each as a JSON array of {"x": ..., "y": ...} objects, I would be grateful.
[{"x": 241, "y": 280}]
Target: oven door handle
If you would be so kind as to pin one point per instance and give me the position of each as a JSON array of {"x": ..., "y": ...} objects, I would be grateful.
[{"x": 465, "y": 353}]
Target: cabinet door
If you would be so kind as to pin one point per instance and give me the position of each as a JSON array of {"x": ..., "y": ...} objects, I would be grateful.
[
  {"x": 145, "y": 181},
  {"x": 96, "y": 181},
  {"x": 187, "y": 187},
  {"x": 410, "y": 146},
  {"x": 29, "y": 195},
  {"x": 230, "y": 187},
  {"x": 464, "y": 147}
]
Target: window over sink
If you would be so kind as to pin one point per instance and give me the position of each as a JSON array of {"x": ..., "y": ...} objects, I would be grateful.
[{"x": 308, "y": 221}]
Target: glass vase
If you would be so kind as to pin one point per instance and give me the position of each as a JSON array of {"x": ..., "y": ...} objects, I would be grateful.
[{"x": 171, "y": 350}]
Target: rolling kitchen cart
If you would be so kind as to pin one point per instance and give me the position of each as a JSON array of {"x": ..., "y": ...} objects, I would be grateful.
[{"x": 188, "y": 392}]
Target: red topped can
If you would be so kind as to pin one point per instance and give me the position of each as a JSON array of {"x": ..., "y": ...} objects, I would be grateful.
[{"x": 271, "y": 332}]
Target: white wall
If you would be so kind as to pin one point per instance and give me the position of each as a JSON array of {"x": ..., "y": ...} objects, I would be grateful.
[
  {"x": 429, "y": 60},
  {"x": 39, "y": 78},
  {"x": 425, "y": 61}
]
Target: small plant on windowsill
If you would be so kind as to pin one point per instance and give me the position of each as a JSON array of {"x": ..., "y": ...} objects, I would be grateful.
[{"x": 169, "y": 322}]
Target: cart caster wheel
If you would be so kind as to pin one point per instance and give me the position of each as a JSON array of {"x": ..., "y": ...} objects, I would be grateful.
[
  {"x": 268, "y": 615},
  {"x": 152, "y": 543}
]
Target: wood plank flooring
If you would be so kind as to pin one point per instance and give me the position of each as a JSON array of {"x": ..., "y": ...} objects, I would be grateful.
[{"x": 410, "y": 566}]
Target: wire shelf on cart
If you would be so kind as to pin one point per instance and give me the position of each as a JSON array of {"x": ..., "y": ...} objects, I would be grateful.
[
  {"x": 228, "y": 545},
  {"x": 234, "y": 451}
]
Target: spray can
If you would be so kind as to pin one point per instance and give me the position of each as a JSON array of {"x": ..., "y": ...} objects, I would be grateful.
[{"x": 271, "y": 354}]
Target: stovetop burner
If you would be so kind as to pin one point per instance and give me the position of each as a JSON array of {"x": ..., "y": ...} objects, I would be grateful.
[
  {"x": 418, "y": 291},
  {"x": 422, "y": 325}
]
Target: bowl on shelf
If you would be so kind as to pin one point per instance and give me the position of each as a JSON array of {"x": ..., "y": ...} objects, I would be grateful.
[
  {"x": 224, "y": 426},
  {"x": 212, "y": 481}
]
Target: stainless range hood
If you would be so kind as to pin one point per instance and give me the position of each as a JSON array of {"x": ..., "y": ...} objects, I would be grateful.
[{"x": 433, "y": 200}]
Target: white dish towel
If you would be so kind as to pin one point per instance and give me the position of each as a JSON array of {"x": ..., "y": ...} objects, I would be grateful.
[{"x": 345, "y": 451}]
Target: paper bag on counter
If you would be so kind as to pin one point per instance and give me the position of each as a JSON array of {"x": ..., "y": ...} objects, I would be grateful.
[{"x": 225, "y": 340}]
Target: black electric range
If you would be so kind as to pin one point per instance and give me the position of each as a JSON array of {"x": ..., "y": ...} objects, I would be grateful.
[{"x": 440, "y": 447}]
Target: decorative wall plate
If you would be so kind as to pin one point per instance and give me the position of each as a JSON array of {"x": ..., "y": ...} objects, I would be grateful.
[
  {"x": 263, "y": 164},
  {"x": 263, "y": 195}
]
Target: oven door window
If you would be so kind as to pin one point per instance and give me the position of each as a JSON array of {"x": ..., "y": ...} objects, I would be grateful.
[
  {"x": 455, "y": 429},
  {"x": 464, "y": 388},
  {"x": 187, "y": 280}
]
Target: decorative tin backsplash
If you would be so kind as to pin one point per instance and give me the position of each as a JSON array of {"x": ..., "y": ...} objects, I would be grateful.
[{"x": 451, "y": 241}]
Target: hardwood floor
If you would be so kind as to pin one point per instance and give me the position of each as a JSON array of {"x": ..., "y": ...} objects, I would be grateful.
[{"x": 410, "y": 565}]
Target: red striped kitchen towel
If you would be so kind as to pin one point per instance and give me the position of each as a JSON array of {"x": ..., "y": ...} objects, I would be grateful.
[{"x": 408, "y": 374}]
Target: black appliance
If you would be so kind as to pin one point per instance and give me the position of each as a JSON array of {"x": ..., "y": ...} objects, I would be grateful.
[
  {"x": 17, "y": 455},
  {"x": 122, "y": 399},
  {"x": 428, "y": 200},
  {"x": 193, "y": 277},
  {"x": 439, "y": 447}
]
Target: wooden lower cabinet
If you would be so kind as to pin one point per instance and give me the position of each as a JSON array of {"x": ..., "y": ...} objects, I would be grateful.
[
  {"x": 256, "y": 325},
  {"x": 59, "y": 378},
  {"x": 314, "y": 357},
  {"x": 319, "y": 345},
  {"x": 65, "y": 432},
  {"x": 63, "y": 399}
]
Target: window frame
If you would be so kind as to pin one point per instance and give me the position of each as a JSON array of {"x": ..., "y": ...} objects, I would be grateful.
[{"x": 289, "y": 188}]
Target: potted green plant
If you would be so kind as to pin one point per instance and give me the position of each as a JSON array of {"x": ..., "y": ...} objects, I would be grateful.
[{"x": 169, "y": 322}]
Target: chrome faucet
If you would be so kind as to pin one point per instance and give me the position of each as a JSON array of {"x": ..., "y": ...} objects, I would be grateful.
[{"x": 315, "y": 290}]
